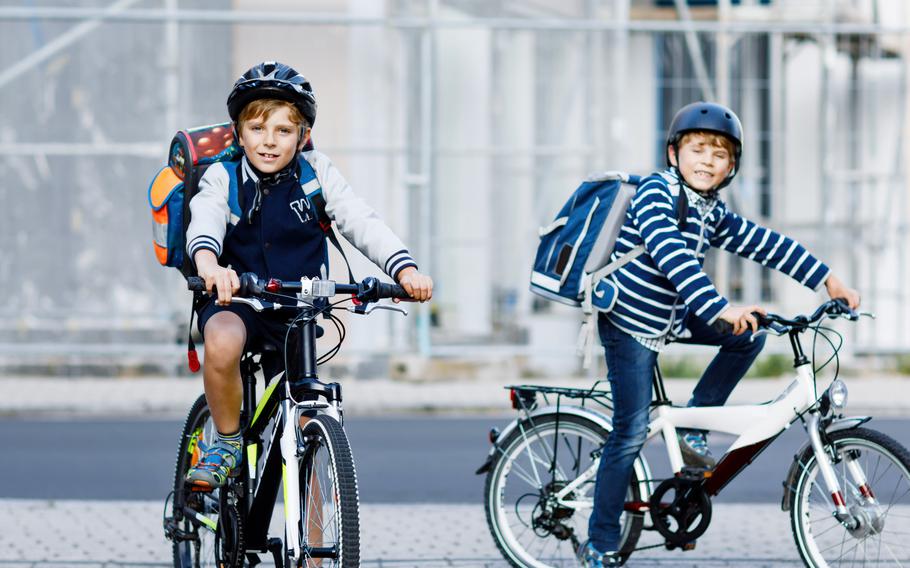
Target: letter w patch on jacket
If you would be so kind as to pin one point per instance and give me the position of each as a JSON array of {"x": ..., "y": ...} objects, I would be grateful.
[{"x": 302, "y": 208}]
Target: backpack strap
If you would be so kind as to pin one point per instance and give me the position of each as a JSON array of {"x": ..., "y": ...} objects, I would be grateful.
[
  {"x": 585, "y": 341},
  {"x": 309, "y": 183}
]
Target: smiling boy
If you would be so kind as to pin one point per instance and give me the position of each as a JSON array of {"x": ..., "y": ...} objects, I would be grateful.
[
  {"x": 254, "y": 215},
  {"x": 664, "y": 295}
]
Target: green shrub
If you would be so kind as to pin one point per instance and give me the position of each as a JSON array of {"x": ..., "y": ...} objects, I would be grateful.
[
  {"x": 681, "y": 367},
  {"x": 773, "y": 365}
]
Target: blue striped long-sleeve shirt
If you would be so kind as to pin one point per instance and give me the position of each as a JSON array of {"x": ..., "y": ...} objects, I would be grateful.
[{"x": 655, "y": 291}]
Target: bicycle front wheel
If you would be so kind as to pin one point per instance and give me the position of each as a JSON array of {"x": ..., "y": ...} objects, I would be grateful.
[
  {"x": 532, "y": 527},
  {"x": 876, "y": 533},
  {"x": 329, "y": 504}
]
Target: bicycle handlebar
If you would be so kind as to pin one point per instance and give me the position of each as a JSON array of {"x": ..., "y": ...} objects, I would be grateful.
[
  {"x": 368, "y": 290},
  {"x": 836, "y": 308}
]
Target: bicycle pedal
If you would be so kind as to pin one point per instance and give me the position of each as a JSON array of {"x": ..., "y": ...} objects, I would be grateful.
[
  {"x": 688, "y": 546},
  {"x": 691, "y": 473}
]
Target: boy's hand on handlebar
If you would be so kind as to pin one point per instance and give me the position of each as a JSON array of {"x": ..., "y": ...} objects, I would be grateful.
[
  {"x": 419, "y": 286},
  {"x": 225, "y": 280},
  {"x": 837, "y": 289},
  {"x": 742, "y": 319}
]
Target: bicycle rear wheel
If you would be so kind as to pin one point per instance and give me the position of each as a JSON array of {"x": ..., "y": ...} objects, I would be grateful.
[
  {"x": 530, "y": 527},
  {"x": 880, "y": 537},
  {"x": 206, "y": 526},
  {"x": 329, "y": 528}
]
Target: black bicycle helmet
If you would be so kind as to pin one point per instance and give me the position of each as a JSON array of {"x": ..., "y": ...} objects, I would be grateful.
[
  {"x": 708, "y": 117},
  {"x": 272, "y": 80}
]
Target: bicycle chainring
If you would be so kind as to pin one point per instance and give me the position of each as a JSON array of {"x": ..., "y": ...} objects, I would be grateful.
[
  {"x": 229, "y": 538},
  {"x": 680, "y": 510}
]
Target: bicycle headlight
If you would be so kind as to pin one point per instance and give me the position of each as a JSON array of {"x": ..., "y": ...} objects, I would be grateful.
[{"x": 837, "y": 394}]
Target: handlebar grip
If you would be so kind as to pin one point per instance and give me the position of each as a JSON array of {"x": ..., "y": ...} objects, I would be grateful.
[
  {"x": 845, "y": 308},
  {"x": 393, "y": 291},
  {"x": 195, "y": 284},
  {"x": 722, "y": 326},
  {"x": 725, "y": 327}
]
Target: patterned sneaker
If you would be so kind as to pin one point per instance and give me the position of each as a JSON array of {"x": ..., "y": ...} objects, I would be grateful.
[
  {"x": 694, "y": 447},
  {"x": 220, "y": 461},
  {"x": 590, "y": 557}
]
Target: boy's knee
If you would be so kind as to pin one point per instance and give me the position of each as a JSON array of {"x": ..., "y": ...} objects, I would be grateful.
[{"x": 224, "y": 339}]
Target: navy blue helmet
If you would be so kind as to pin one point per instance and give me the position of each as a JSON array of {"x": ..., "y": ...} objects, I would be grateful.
[
  {"x": 273, "y": 80},
  {"x": 707, "y": 117}
]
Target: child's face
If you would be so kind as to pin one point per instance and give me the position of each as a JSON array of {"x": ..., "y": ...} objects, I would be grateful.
[
  {"x": 269, "y": 144},
  {"x": 703, "y": 165}
]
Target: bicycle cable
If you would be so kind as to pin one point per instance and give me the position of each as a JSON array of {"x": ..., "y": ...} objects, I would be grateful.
[
  {"x": 300, "y": 318},
  {"x": 835, "y": 355}
]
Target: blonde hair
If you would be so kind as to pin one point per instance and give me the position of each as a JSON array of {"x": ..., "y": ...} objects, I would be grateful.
[
  {"x": 712, "y": 139},
  {"x": 263, "y": 108}
]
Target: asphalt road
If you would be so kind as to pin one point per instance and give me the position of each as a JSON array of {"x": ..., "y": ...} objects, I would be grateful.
[{"x": 425, "y": 459}]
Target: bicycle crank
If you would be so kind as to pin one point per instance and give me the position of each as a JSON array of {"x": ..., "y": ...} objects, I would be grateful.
[{"x": 680, "y": 511}]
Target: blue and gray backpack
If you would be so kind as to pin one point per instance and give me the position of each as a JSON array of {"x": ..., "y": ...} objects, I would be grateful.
[{"x": 573, "y": 255}]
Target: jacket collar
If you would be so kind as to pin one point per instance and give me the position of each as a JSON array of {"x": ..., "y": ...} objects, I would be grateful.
[{"x": 250, "y": 173}]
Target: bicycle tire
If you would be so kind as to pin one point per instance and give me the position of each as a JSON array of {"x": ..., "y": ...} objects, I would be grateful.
[
  {"x": 222, "y": 549},
  {"x": 329, "y": 501},
  {"x": 820, "y": 538},
  {"x": 495, "y": 493}
]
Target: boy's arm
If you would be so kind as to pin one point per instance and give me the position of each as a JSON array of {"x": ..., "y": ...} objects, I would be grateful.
[
  {"x": 358, "y": 222},
  {"x": 654, "y": 214},
  {"x": 769, "y": 248},
  {"x": 209, "y": 212}
]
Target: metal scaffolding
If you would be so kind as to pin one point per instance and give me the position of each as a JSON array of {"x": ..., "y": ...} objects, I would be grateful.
[{"x": 494, "y": 111}]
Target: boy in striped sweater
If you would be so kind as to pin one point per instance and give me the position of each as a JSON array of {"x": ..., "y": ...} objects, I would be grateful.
[{"x": 665, "y": 296}]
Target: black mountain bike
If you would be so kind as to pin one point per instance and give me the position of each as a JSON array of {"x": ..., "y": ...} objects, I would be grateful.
[{"x": 292, "y": 437}]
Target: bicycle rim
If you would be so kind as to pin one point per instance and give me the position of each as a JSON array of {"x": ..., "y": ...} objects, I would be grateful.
[
  {"x": 198, "y": 432},
  {"x": 530, "y": 531},
  {"x": 329, "y": 506},
  {"x": 821, "y": 539}
]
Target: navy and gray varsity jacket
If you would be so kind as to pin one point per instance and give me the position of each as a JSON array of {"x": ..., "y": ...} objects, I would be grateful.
[
  {"x": 283, "y": 238},
  {"x": 653, "y": 294}
]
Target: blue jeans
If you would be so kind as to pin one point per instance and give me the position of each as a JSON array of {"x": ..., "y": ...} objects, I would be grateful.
[{"x": 630, "y": 369}]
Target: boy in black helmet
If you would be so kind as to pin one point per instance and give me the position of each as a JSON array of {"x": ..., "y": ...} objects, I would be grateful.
[
  {"x": 275, "y": 233},
  {"x": 664, "y": 296}
]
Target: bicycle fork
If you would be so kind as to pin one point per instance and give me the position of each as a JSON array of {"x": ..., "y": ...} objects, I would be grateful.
[
  {"x": 290, "y": 477},
  {"x": 862, "y": 519}
]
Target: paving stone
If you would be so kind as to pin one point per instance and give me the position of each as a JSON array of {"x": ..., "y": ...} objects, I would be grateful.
[{"x": 96, "y": 534}]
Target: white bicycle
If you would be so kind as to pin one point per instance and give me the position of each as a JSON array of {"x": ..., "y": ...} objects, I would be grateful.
[{"x": 847, "y": 490}]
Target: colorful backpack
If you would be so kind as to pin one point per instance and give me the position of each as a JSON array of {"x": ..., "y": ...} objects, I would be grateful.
[{"x": 191, "y": 153}]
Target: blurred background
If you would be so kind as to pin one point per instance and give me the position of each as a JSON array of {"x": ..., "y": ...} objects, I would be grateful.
[{"x": 466, "y": 124}]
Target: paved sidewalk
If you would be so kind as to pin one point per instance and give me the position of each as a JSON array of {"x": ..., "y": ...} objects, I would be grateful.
[
  {"x": 878, "y": 396},
  {"x": 94, "y": 534}
]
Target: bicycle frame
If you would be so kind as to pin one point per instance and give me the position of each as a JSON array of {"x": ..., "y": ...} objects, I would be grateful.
[
  {"x": 756, "y": 426},
  {"x": 281, "y": 401}
]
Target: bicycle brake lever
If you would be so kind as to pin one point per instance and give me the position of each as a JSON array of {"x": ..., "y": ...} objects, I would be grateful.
[
  {"x": 866, "y": 314},
  {"x": 372, "y": 307},
  {"x": 257, "y": 304},
  {"x": 773, "y": 330}
]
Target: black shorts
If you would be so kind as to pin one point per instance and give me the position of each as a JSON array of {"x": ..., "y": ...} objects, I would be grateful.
[{"x": 261, "y": 328}]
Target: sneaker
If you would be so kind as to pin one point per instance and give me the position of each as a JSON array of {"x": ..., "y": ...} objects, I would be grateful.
[
  {"x": 220, "y": 461},
  {"x": 694, "y": 446},
  {"x": 590, "y": 557}
]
